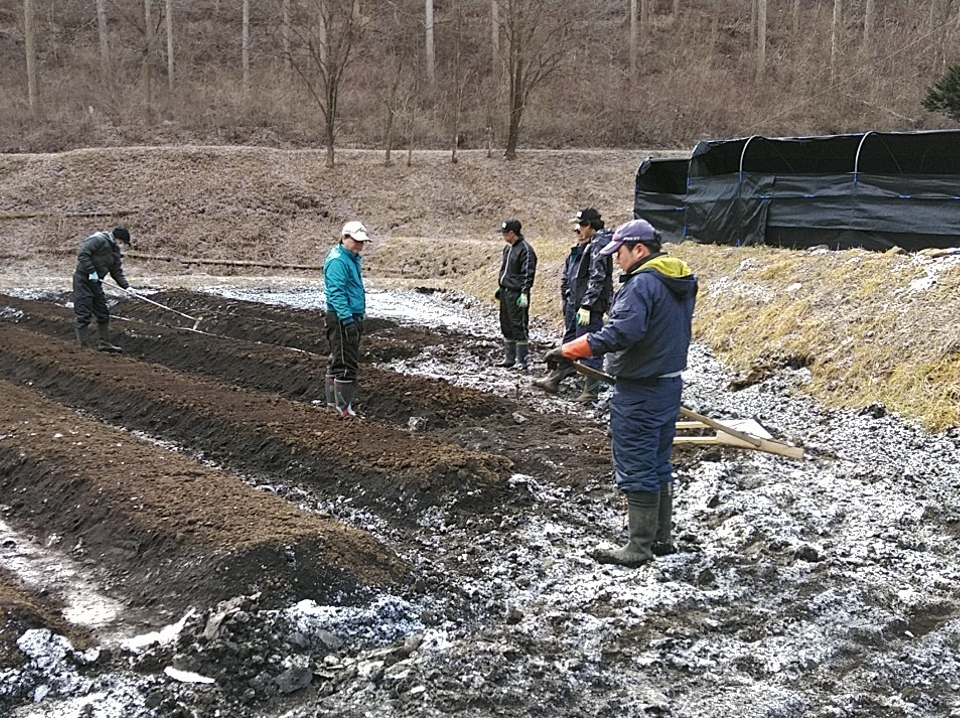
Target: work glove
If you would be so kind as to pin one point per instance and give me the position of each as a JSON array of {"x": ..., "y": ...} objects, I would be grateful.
[
  {"x": 496, "y": 295},
  {"x": 554, "y": 358},
  {"x": 523, "y": 300},
  {"x": 93, "y": 276},
  {"x": 583, "y": 317}
]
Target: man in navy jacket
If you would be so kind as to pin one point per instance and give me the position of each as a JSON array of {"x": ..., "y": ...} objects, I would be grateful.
[
  {"x": 645, "y": 341},
  {"x": 98, "y": 256}
]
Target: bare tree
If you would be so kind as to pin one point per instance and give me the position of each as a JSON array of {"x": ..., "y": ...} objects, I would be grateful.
[
  {"x": 633, "y": 38},
  {"x": 104, "y": 40},
  {"x": 170, "y": 44},
  {"x": 146, "y": 73},
  {"x": 495, "y": 38},
  {"x": 30, "y": 46},
  {"x": 431, "y": 70},
  {"x": 285, "y": 31},
  {"x": 644, "y": 22},
  {"x": 796, "y": 16},
  {"x": 868, "y": 10},
  {"x": 536, "y": 34},
  {"x": 461, "y": 76},
  {"x": 245, "y": 47},
  {"x": 329, "y": 51},
  {"x": 835, "y": 37},
  {"x": 761, "y": 37}
]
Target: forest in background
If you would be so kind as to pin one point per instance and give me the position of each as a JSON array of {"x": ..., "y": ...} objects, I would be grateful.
[{"x": 449, "y": 74}]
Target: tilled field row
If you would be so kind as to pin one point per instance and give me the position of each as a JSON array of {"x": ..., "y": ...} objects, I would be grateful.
[
  {"x": 244, "y": 357},
  {"x": 452, "y": 412},
  {"x": 164, "y": 528},
  {"x": 376, "y": 465}
]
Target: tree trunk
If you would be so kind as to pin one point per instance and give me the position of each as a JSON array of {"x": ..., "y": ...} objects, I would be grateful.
[
  {"x": 644, "y": 22},
  {"x": 495, "y": 38},
  {"x": 245, "y": 47},
  {"x": 835, "y": 37},
  {"x": 633, "y": 39},
  {"x": 285, "y": 32},
  {"x": 170, "y": 44},
  {"x": 867, "y": 22},
  {"x": 796, "y": 16},
  {"x": 516, "y": 114},
  {"x": 753, "y": 22},
  {"x": 146, "y": 72},
  {"x": 104, "y": 41},
  {"x": 761, "y": 37},
  {"x": 431, "y": 71},
  {"x": 30, "y": 45}
]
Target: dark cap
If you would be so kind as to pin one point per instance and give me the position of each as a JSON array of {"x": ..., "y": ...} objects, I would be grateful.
[
  {"x": 510, "y": 226},
  {"x": 587, "y": 216},
  {"x": 635, "y": 231},
  {"x": 122, "y": 234}
]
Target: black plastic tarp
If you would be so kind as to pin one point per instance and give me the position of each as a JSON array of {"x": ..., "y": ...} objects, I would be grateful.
[
  {"x": 659, "y": 195},
  {"x": 872, "y": 190}
]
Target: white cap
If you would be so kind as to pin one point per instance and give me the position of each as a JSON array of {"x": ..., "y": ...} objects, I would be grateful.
[{"x": 356, "y": 230}]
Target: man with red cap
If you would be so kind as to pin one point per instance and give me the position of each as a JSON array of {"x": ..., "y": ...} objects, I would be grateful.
[{"x": 645, "y": 343}]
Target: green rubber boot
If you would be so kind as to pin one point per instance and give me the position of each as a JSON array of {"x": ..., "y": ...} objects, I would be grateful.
[
  {"x": 104, "y": 345},
  {"x": 663, "y": 543},
  {"x": 509, "y": 354},
  {"x": 83, "y": 336},
  {"x": 642, "y": 512}
]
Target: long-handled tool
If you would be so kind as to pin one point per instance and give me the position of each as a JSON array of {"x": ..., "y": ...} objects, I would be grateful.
[
  {"x": 195, "y": 320},
  {"x": 725, "y": 434}
]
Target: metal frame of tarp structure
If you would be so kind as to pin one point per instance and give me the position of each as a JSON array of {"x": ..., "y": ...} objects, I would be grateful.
[{"x": 873, "y": 190}]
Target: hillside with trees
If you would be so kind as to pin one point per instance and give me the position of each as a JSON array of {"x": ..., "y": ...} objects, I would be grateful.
[{"x": 402, "y": 75}]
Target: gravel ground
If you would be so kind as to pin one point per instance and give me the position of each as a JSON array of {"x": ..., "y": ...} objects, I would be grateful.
[{"x": 817, "y": 587}]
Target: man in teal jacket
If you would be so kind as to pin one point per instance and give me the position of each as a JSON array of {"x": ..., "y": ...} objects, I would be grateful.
[{"x": 346, "y": 305}]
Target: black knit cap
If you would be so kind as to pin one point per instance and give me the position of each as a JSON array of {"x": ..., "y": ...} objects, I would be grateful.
[{"x": 122, "y": 234}]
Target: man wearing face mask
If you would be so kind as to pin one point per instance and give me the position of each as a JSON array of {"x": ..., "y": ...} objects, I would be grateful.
[
  {"x": 585, "y": 288},
  {"x": 645, "y": 342}
]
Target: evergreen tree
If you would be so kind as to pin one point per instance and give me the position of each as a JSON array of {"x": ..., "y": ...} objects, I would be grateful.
[{"x": 944, "y": 95}]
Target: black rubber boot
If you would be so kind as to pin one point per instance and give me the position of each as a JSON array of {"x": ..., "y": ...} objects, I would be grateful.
[
  {"x": 345, "y": 391},
  {"x": 104, "y": 344},
  {"x": 642, "y": 511},
  {"x": 509, "y": 354},
  {"x": 83, "y": 336},
  {"x": 663, "y": 543}
]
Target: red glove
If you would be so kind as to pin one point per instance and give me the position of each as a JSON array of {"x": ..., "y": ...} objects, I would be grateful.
[{"x": 576, "y": 349}]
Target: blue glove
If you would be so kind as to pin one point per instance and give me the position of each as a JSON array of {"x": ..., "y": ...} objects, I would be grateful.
[
  {"x": 93, "y": 276},
  {"x": 583, "y": 317},
  {"x": 496, "y": 295},
  {"x": 523, "y": 301}
]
